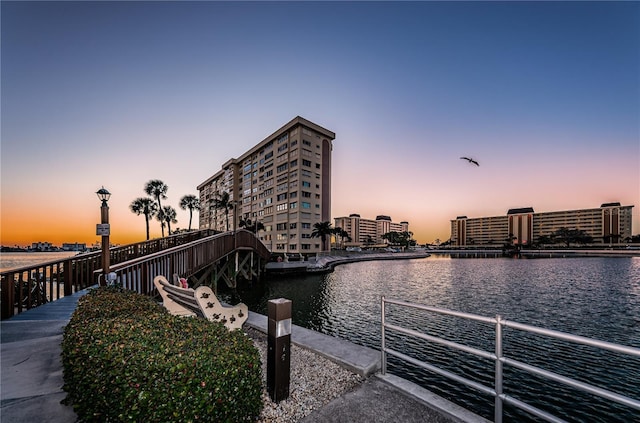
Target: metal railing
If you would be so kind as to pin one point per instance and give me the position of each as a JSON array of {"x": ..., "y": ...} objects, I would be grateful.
[{"x": 500, "y": 360}]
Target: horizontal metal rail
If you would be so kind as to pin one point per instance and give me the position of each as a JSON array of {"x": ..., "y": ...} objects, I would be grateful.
[{"x": 500, "y": 360}]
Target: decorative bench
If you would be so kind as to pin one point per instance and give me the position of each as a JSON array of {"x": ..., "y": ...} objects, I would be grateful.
[{"x": 201, "y": 302}]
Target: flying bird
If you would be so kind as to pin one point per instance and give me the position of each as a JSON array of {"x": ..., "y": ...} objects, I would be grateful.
[{"x": 470, "y": 160}]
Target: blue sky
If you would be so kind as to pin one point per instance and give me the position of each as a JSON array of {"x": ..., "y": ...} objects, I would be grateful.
[{"x": 545, "y": 95}]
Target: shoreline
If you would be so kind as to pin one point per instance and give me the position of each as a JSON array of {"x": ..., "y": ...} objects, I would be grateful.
[{"x": 326, "y": 263}]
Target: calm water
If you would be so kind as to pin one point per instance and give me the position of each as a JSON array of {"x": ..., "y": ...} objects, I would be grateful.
[
  {"x": 593, "y": 297},
  {"x": 10, "y": 261}
]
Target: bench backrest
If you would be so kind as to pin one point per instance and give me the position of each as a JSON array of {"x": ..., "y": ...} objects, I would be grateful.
[
  {"x": 178, "y": 301},
  {"x": 201, "y": 302}
]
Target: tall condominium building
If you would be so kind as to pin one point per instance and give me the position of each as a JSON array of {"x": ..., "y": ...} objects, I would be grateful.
[
  {"x": 366, "y": 231},
  {"x": 284, "y": 182},
  {"x": 609, "y": 223}
]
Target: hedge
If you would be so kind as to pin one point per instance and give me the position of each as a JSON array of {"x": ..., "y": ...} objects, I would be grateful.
[{"x": 126, "y": 359}]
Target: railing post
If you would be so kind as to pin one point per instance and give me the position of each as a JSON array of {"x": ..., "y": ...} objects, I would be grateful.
[
  {"x": 8, "y": 291},
  {"x": 383, "y": 355},
  {"x": 497, "y": 418},
  {"x": 68, "y": 283}
]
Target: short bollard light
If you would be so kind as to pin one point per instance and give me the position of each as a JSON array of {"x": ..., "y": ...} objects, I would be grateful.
[{"x": 278, "y": 348}]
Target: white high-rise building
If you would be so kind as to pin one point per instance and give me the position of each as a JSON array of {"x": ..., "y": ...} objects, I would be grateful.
[{"x": 283, "y": 182}]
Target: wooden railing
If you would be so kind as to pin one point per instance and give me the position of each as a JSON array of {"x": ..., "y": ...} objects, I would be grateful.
[
  {"x": 138, "y": 274},
  {"x": 31, "y": 286}
]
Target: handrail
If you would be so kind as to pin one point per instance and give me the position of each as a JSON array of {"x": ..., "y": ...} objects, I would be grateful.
[
  {"x": 500, "y": 359},
  {"x": 30, "y": 286},
  {"x": 138, "y": 274}
]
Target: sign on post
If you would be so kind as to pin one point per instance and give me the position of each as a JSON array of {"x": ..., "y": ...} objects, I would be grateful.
[{"x": 102, "y": 229}]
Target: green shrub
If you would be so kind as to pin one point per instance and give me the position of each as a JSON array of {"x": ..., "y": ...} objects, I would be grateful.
[{"x": 126, "y": 359}]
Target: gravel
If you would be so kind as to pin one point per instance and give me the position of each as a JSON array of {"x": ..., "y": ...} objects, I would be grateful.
[{"x": 314, "y": 382}]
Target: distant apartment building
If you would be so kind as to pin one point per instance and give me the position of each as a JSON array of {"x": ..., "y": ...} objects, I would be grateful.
[
  {"x": 283, "y": 182},
  {"x": 42, "y": 246},
  {"x": 75, "y": 246},
  {"x": 363, "y": 232},
  {"x": 609, "y": 223}
]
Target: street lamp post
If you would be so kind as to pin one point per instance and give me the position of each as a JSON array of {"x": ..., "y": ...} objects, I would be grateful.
[{"x": 104, "y": 230}]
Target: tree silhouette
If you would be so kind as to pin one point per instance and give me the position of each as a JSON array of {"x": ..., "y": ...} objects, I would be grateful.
[
  {"x": 146, "y": 206},
  {"x": 571, "y": 235},
  {"x": 192, "y": 203},
  {"x": 158, "y": 190},
  {"x": 167, "y": 215},
  {"x": 322, "y": 230},
  {"x": 222, "y": 202},
  {"x": 398, "y": 238},
  {"x": 251, "y": 226},
  {"x": 339, "y": 232}
]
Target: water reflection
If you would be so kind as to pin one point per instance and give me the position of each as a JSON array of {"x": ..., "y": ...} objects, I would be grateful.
[{"x": 593, "y": 297}]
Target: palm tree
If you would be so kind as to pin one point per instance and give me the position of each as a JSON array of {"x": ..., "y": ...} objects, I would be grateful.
[
  {"x": 146, "y": 206},
  {"x": 190, "y": 202},
  {"x": 222, "y": 202},
  {"x": 339, "y": 232},
  {"x": 322, "y": 230},
  {"x": 158, "y": 190},
  {"x": 167, "y": 215},
  {"x": 251, "y": 226}
]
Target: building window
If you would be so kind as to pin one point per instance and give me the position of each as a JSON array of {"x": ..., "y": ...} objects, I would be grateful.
[
  {"x": 306, "y": 163},
  {"x": 293, "y": 205},
  {"x": 293, "y": 225},
  {"x": 306, "y": 205}
]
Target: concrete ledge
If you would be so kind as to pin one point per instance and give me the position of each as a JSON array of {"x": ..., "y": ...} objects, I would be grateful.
[
  {"x": 356, "y": 358},
  {"x": 432, "y": 400}
]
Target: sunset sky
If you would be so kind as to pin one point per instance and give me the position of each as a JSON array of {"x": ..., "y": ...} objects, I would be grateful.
[{"x": 545, "y": 95}]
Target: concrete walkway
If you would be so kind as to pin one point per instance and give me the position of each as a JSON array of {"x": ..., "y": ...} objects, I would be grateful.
[{"x": 31, "y": 375}]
